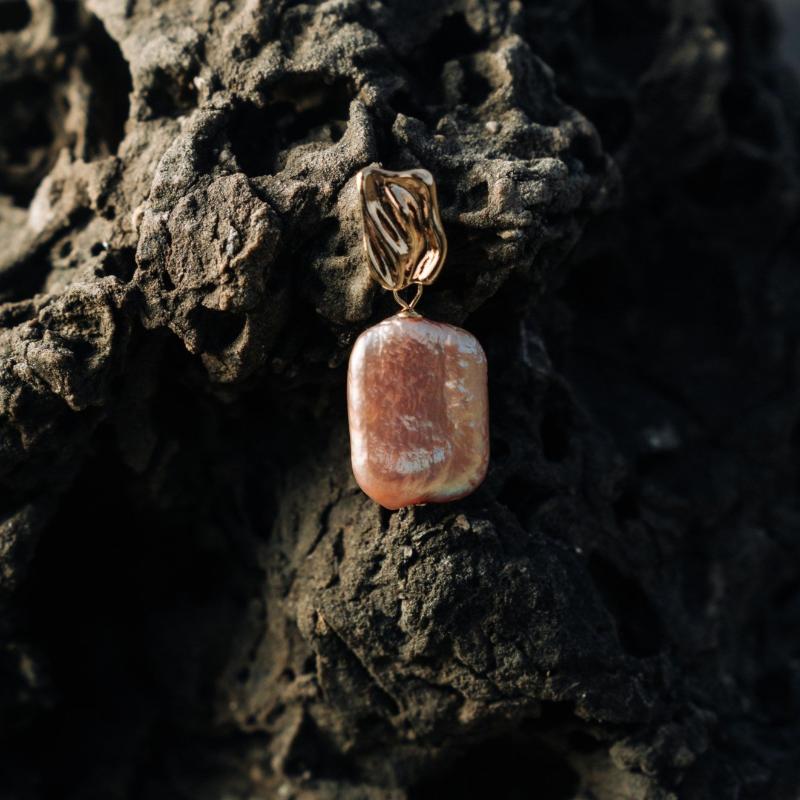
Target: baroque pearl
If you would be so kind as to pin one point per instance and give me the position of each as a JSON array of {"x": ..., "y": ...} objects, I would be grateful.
[{"x": 417, "y": 401}]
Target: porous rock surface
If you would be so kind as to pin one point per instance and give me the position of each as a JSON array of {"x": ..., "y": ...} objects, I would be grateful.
[{"x": 195, "y": 599}]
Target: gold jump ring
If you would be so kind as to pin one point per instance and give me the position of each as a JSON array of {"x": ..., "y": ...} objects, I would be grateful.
[{"x": 408, "y": 305}]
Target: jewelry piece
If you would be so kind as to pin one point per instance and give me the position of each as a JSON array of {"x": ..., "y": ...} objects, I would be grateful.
[{"x": 417, "y": 396}]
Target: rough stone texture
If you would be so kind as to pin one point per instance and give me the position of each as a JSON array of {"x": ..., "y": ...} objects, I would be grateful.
[{"x": 195, "y": 599}]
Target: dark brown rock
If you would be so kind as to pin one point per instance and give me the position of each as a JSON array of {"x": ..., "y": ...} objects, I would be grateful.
[{"x": 196, "y": 599}]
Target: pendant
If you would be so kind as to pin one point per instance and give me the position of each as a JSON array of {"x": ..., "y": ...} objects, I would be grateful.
[{"x": 417, "y": 395}]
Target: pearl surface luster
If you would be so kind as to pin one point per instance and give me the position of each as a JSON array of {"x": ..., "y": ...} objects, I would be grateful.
[{"x": 417, "y": 402}]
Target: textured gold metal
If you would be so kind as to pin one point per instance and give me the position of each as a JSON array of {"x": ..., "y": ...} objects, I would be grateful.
[{"x": 403, "y": 232}]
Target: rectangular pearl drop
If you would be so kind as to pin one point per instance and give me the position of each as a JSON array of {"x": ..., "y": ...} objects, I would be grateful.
[{"x": 418, "y": 406}]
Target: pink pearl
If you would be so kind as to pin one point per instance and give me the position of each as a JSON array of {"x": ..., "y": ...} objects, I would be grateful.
[{"x": 418, "y": 406}]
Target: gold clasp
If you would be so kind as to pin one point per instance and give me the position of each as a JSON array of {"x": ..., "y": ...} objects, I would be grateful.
[{"x": 403, "y": 233}]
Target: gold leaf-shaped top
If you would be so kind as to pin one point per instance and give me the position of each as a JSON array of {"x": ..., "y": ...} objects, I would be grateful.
[{"x": 403, "y": 231}]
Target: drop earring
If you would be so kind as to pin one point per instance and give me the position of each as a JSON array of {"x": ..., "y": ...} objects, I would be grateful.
[{"x": 417, "y": 395}]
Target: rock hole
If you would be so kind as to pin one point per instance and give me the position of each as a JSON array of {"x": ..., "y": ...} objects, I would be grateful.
[
  {"x": 301, "y": 109},
  {"x": 404, "y": 102},
  {"x": 246, "y": 47},
  {"x": 14, "y": 15},
  {"x": 476, "y": 86},
  {"x": 639, "y": 627},
  {"x": 26, "y": 136},
  {"x": 167, "y": 97},
  {"x": 34, "y": 110},
  {"x": 65, "y": 249},
  {"x": 166, "y": 281},
  {"x": 329, "y": 232},
  {"x": 477, "y": 197},
  {"x": 25, "y": 281},
  {"x": 320, "y": 108},
  {"x": 121, "y": 264},
  {"x": 217, "y": 329},
  {"x": 311, "y": 752},
  {"x": 310, "y": 664},
  {"x": 454, "y": 40},
  {"x": 67, "y": 18},
  {"x": 243, "y": 675},
  {"x": 274, "y": 714},
  {"x": 507, "y": 768},
  {"x": 107, "y": 73},
  {"x": 586, "y": 149},
  {"x": 338, "y": 547},
  {"x": 385, "y": 517}
]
